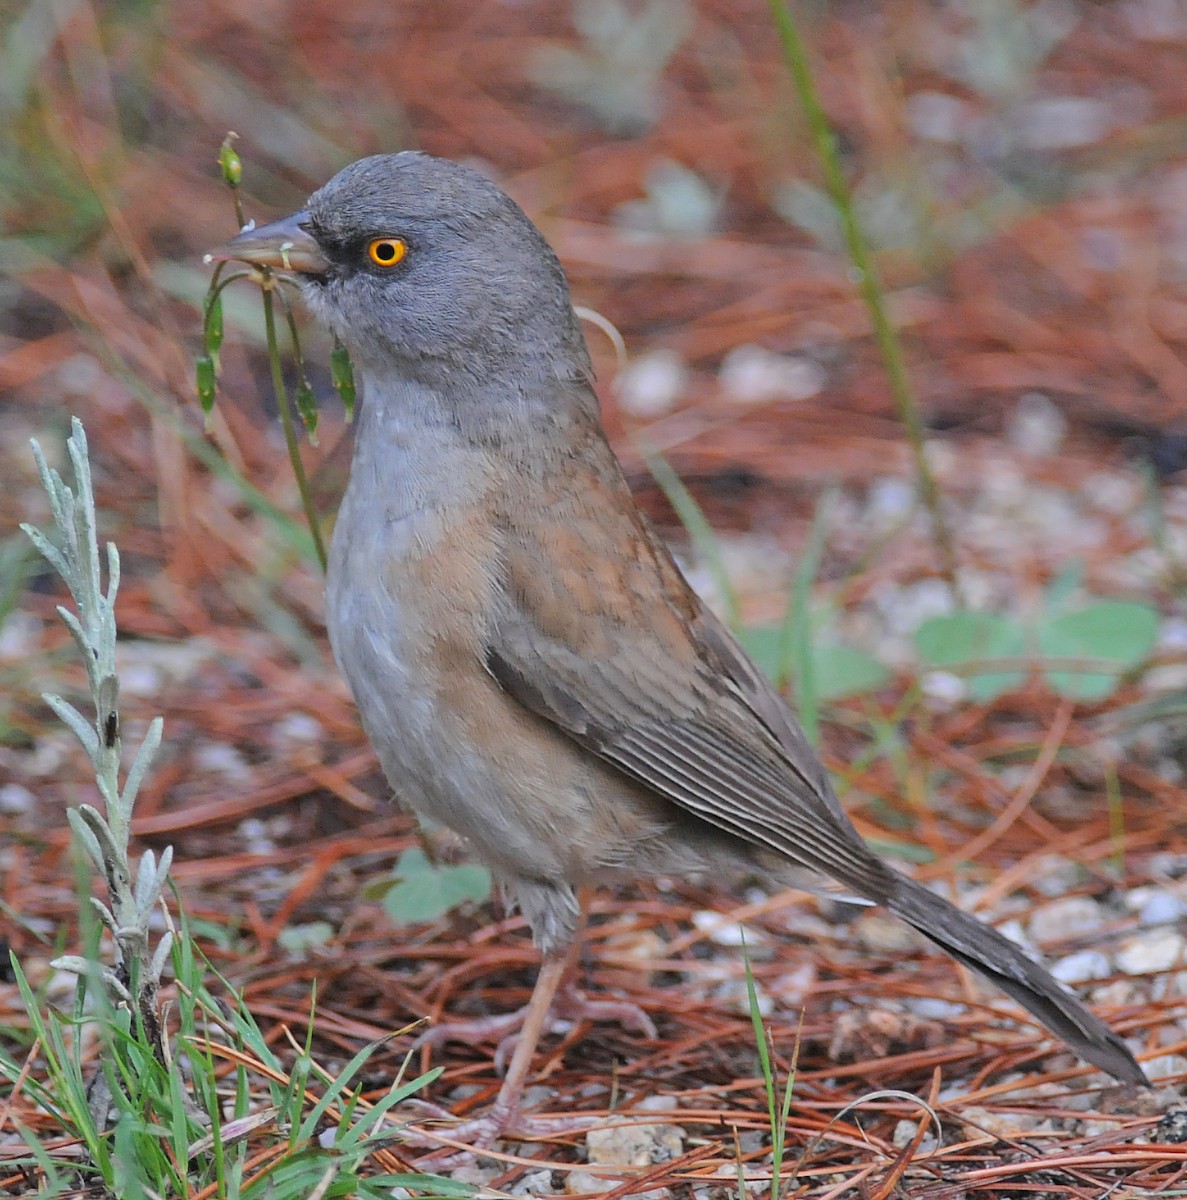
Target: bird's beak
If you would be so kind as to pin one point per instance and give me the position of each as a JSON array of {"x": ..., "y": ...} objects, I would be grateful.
[{"x": 285, "y": 244}]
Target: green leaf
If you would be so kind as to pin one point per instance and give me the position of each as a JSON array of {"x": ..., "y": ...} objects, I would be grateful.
[
  {"x": 307, "y": 408},
  {"x": 424, "y": 892},
  {"x": 838, "y": 670},
  {"x": 841, "y": 671},
  {"x": 764, "y": 644},
  {"x": 342, "y": 375},
  {"x": 214, "y": 326},
  {"x": 903, "y": 851},
  {"x": 1061, "y": 589},
  {"x": 1120, "y": 632},
  {"x": 205, "y": 382},
  {"x": 960, "y": 640}
]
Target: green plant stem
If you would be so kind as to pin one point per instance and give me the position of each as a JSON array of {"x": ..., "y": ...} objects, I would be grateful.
[
  {"x": 795, "y": 657},
  {"x": 290, "y": 432},
  {"x": 885, "y": 334}
]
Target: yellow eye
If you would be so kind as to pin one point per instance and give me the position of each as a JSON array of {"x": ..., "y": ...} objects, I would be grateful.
[{"x": 386, "y": 252}]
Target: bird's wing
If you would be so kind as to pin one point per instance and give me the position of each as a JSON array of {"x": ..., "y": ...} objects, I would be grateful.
[{"x": 620, "y": 654}]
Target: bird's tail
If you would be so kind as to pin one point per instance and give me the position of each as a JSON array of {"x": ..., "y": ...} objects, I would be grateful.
[{"x": 997, "y": 958}]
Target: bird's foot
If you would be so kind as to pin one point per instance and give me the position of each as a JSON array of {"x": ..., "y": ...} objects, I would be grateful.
[
  {"x": 570, "y": 1005},
  {"x": 454, "y": 1144},
  {"x": 573, "y": 1005}
]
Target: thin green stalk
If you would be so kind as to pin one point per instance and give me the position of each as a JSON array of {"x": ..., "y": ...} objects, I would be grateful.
[
  {"x": 795, "y": 656},
  {"x": 778, "y": 1110},
  {"x": 1116, "y": 810},
  {"x": 290, "y": 432},
  {"x": 699, "y": 530},
  {"x": 885, "y": 334}
]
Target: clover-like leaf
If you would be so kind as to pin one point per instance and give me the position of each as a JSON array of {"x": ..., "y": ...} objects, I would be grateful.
[
  {"x": 1119, "y": 633},
  {"x": 424, "y": 891},
  {"x": 968, "y": 643}
]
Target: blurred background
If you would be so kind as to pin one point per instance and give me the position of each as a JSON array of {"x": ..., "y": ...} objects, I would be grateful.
[{"x": 1020, "y": 171}]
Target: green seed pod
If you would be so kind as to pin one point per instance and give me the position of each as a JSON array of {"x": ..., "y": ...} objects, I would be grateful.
[
  {"x": 214, "y": 327},
  {"x": 231, "y": 163},
  {"x": 342, "y": 374},
  {"x": 206, "y": 381},
  {"x": 307, "y": 408}
]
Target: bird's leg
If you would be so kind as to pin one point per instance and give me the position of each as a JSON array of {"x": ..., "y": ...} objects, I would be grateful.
[
  {"x": 568, "y": 1004},
  {"x": 537, "y": 1015},
  {"x": 482, "y": 1132},
  {"x": 553, "y": 996}
]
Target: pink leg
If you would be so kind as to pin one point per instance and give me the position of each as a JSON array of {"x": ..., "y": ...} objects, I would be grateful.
[
  {"x": 482, "y": 1132},
  {"x": 554, "y": 996}
]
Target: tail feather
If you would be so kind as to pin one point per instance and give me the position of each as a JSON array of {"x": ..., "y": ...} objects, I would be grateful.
[{"x": 997, "y": 958}]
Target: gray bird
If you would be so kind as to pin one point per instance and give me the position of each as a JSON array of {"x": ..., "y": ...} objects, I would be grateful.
[{"x": 528, "y": 662}]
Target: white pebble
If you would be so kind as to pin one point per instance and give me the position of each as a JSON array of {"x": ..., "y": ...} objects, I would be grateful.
[
  {"x": 1082, "y": 966},
  {"x": 621, "y": 1143},
  {"x": 1063, "y": 919},
  {"x": 1166, "y": 1065},
  {"x": 1155, "y": 950},
  {"x": 584, "y": 1183},
  {"x": 534, "y": 1183},
  {"x": 219, "y": 758},
  {"x": 296, "y": 731},
  {"x": 932, "y": 1008},
  {"x": 723, "y": 931},
  {"x": 891, "y": 498},
  {"x": 752, "y": 375},
  {"x": 16, "y": 800},
  {"x": 1036, "y": 427},
  {"x": 943, "y": 685},
  {"x": 1162, "y": 908},
  {"x": 651, "y": 385}
]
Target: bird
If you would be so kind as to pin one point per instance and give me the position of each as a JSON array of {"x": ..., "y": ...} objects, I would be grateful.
[{"x": 528, "y": 662}]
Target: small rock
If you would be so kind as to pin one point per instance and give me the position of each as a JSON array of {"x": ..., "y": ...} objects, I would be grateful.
[
  {"x": 1001, "y": 1124},
  {"x": 651, "y": 385},
  {"x": 475, "y": 1174},
  {"x": 734, "y": 994},
  {"x": 1036, "y": 427},
  {"x": 16, "y": 800},
  {"x": 627, "y": 957},
  {"x": 1082, "y": 967},
  {"x": 583, "y": 1182},
  {"x": 1064, "y": 920},
  {"x": 791, "y": 988},
  {"x": 878, "y": 932},
  {"x": 904, "y": 1135},
  {"x": 1055, "y": 875},
  {"x": 891, "y": 499},
  {"x": 1064, "y": 122},
  {"x": 722, "y": 930},
  {"x": 534, "y": 1183},
  {"x": 932, "y": 1008},
  {"x": 1117, "y": 994},
  {"x": 20, "y": 635},
  {"x": 1162, "y": 908},
  {"x": 752, "y": 375},
  {"x": 622, "y": 1144},
  {"x": 938, "y": 116},
  {"x": 1171, "y": 1130},
  {"x": 1154, "y": 950},
  {"x": 1166, "y": 1065},
  {"x": 943, "y": 686},
  {"x": 296, "y": 733},
  {"x": 221, "y": 758}
]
